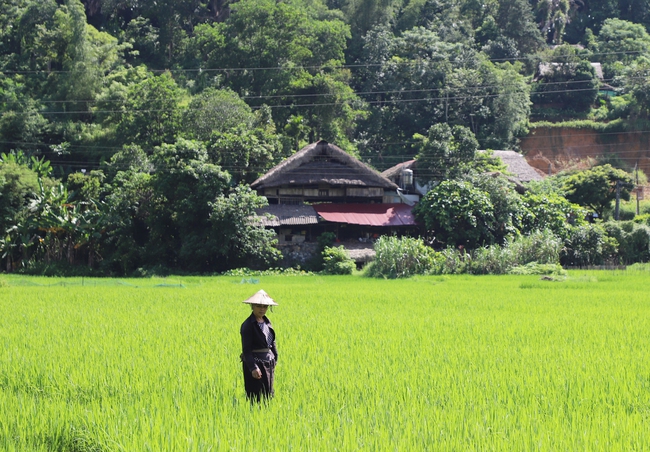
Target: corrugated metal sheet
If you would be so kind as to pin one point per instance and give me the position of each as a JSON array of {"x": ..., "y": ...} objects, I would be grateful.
[
  {"x": 282, "y": 214},
  {"x": 367, "y": 214}
]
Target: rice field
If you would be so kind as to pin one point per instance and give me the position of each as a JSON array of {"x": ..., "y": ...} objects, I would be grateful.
[{"x": 460, "y": 363}]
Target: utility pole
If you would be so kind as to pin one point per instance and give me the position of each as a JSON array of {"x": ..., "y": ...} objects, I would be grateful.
[
  {"x": 618, "y": 199},
  {"x": 638, "y": 189}
]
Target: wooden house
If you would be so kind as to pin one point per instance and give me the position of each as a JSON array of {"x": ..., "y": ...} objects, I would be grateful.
[{"x": 321, "y": 189}]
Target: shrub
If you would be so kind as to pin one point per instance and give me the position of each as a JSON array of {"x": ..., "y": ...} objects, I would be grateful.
[
  {"x": 550, "y": 210},
  {"x": 451, "y": 261},
  {"x": 457, "y": 213},
  {"x": 633, "y": 240},
  {"x": 244, "y": 272},
  {"x": 588, "y": 245},
  {"x": 541, "y": 247},
  {"x": 57, "y": 268},
  {"x": 643, "y": 219},
  {"x": 494, "y": 259},
  {"x": 401, "y": 258},
  {"x": 336, "y": 261},
  {"x": 533, "y": 268},
  {"x": 315, "y": 263}
]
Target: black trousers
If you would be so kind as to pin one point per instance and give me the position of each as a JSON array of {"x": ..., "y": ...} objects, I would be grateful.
[{"x": 256, "y": 390}]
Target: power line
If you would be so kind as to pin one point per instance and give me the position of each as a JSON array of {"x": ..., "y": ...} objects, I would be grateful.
[
  {"x": 360, "y": 93},
  {"x": 95, "y": 148},
  {"x": 318, "y": 67},
  {"x": 323, "y": 104}
]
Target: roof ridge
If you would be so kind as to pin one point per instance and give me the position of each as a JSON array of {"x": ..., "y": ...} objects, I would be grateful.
[{"x": 307, "y": 154}]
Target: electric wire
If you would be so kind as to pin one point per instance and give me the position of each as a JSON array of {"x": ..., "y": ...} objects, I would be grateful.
[{"x": 315, "y": 67}]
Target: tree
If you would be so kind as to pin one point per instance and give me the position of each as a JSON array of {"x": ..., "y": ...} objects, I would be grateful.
[
  {"x": 241, "y": 241},
  {"x": 215, "y": 110},
  {"x": 185, "y": 183},
  {"x": 131, "y": 204},
  {"x": 421, "y": 80},
  {"x": 18, "y": 185},
  {"x": 449, "y": 18},
  {"x": 509, "y": 104},
  {"x": 151, "y": 114},
  {"x": 22, "y": 126},
  {"x": 567, "y": 81},
  {"x": 550, "y": 210},
  {"x": 509, "y": 211},
  {"x": 296, "y": 60},
  {"x": 456, "y": 213},
  {"x": 596, "y": 188},
  {"x": 552, "y": 18},
  {"x": 637, "y": 83},
  {"x": 445, "y": 152},
  {"x": 516, "y": 21},
  {"x": 65, "y": 228},
  {"x": 620, "y": 43},
  {"x": 408, "y": 73},
  {"x": 246, "y": 154}
]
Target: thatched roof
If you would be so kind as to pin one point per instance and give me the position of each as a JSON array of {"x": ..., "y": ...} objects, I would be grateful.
[
  {"x": 322, "y": 163},
  {"x": 395, "y": 171},
  {"x": 518, "y": 165},
  {"x": 548, "y": 68}
]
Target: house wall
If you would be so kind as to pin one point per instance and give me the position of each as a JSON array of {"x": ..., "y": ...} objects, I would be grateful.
[{"x": 322, "y": 193}]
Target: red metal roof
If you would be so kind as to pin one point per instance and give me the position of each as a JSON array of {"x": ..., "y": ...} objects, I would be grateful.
[{"x": 367, "y": 214}]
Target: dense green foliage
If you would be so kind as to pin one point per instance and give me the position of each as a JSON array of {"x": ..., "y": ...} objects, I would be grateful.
[
  {"x": 153, "y": 364},
  {"x": 485, "y": 216},
  {"x": 401, "y": 258},
  {"x": 139, "y": 117},
  {"x": 336, "y": 261}
]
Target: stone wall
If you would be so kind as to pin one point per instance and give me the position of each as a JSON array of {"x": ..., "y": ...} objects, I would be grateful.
[{"x": 297, "y": 253}]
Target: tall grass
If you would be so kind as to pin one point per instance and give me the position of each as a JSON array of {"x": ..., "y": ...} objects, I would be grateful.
[
  {"x": 542, "y": 247},
  {"x": 400, "y": 258},
  {"x": 427, "y": 363}
]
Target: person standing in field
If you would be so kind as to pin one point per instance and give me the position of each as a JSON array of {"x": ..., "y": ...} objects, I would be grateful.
[{"x": 259, "y": 351}]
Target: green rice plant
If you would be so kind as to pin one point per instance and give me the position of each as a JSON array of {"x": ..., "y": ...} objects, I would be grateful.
[{"x": 460, "y": 362}]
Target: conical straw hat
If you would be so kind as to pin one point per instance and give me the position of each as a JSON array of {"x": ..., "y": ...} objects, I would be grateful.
[{"x": 261, "y": 297}]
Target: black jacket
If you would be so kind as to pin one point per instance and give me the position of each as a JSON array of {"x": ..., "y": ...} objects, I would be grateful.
[{"x": 252, "y": 338}]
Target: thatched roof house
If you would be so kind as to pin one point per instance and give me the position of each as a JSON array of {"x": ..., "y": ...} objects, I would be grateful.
[
  {"x": 322, "y": 172},
  {"x": 321, "y": 189},
  {"x": 516, "y": 163},
  {"x": 399, "y": 174},
  {"x": 545, "y": 69},
  {"x": 394, "y": 172}
]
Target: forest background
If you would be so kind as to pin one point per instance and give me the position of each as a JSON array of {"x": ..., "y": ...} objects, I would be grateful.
[{"x": 130, "y": 130}]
